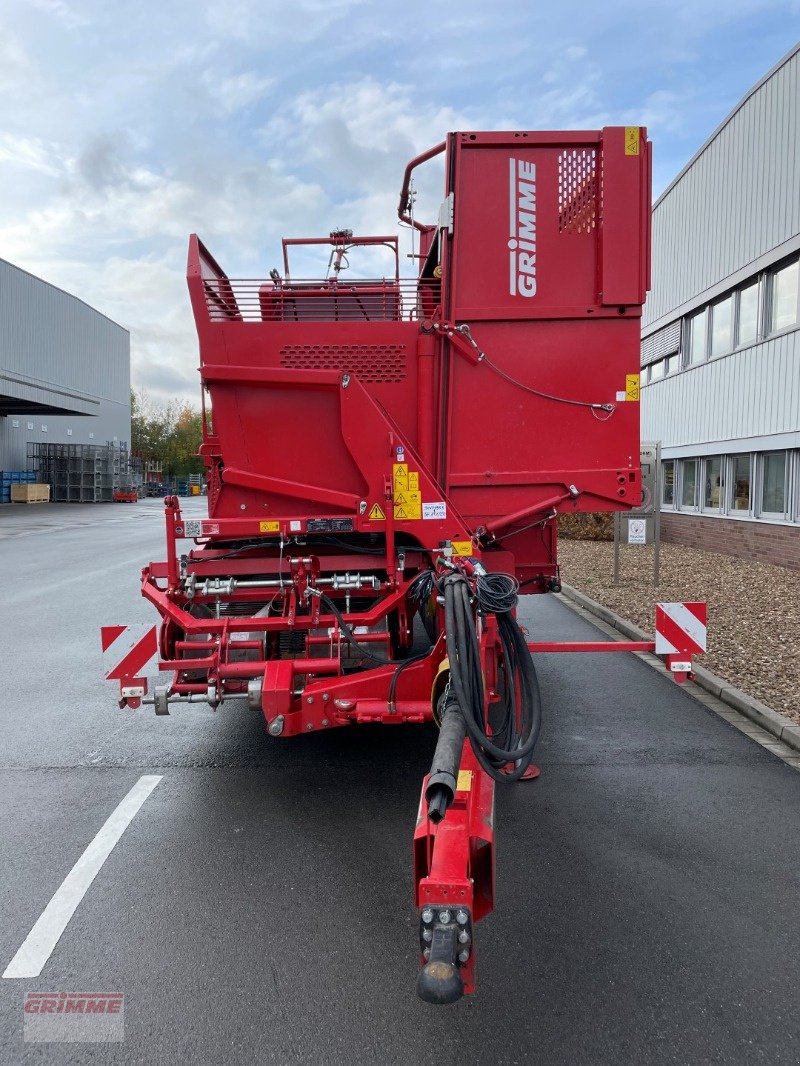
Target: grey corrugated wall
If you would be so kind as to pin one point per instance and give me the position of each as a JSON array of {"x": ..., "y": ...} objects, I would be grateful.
[
  {"x": 732, "y": 212},
  {"x": 738, "y": 200},
  {"x": 55, "y": 349}
]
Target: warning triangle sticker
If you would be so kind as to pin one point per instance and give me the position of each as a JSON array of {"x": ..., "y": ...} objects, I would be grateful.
[
  {"x": 400, "y": 498},
  {"x": 376, "y": 514},
  {"x": 400, "y": 512}
]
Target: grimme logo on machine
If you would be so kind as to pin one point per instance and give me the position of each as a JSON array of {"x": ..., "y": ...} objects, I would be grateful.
[{"x": 522, "y": 228}]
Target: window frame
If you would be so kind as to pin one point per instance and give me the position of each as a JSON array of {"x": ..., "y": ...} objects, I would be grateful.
[
  {"x": 761, "y": 512},
  {"x": 756, "y": 460},
  {"x": 712, "y": 308},
  {"x": 694, "y": 506},
  {"x": 730, "y": 498},
  {"x": 651, "y": 377},
  {"x": 670, "y": 505},
  {"x": 757, "y": 285},
  {"x": 690, "y": 326},
  {"x": 772, "y": 329},
  {"x": 711, "y": 508},
  {"x": 793, "y": 503}
]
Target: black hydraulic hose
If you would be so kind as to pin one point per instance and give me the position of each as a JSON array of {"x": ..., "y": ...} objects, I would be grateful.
[
  {"x": 514, "y": 740},
  {"x": 350, "y": 636},
  {"x": 441, "y": 789},
  {"x": 381, "y": 660}
]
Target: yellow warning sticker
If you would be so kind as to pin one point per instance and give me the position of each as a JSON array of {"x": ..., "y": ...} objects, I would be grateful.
[
  {"x": 631, "y": 140},
  {"x": 407, "y": 497},
  {"x": 462, "y": 547},
  {"x": 631, "y": 386},
  {"x": 407, "y": 504},
  {"x": 269, "y": 527},
  {"x": 376, "y": 513},
  {"x": 464, "y": 783}
]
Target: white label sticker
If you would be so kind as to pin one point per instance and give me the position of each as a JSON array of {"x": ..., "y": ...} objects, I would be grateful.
[
  {"x": 434, "y": 510},
  {"x": 681, "y": 668},
  {"x": 622, "y": 397},
  {"x": 295, "y": 526},
  {"x": 131, "y": 692},
  {"x": 637, "y": 531},
  {"x": 193, "y": 528}
]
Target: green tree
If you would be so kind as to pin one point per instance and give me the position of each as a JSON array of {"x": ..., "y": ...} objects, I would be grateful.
[{"x": 169, "y": 436}]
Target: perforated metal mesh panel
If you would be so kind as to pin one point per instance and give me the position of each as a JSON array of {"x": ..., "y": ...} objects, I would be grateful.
[
  {"x": 369, "y": 362},
  {"x": 577, "y": 190}
]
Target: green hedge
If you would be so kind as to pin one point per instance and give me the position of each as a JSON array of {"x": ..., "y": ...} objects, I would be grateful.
[{"x": 596, "y": 525}]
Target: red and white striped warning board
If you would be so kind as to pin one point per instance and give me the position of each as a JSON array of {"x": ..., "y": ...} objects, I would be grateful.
[
  {"x": 680, "y": 628},
  {"x": 127, "y": 650}
]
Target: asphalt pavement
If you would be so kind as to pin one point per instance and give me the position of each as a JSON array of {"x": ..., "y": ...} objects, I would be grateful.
[{"x": 258, "y": 907}]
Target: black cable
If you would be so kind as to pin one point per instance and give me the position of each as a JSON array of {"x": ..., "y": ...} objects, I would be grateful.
[
  {"x": 362, "y": 549},
  {"x": 497, "y": 593},
  {"x": 351, "y": 638},
  {"x": 607, "y": 408},
  {"x": 515, "y": 737}
]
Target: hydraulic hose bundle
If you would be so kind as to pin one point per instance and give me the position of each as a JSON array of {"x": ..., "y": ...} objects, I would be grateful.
[{"x": 504, "y": 748}]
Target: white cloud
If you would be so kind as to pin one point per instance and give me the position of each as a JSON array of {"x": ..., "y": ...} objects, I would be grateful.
[
  {"x": 64, "y": 12},
  {"x": 238, "y": 90},
  {"x": 29, "y": 153},
  {"x": 274, "y": 22}
]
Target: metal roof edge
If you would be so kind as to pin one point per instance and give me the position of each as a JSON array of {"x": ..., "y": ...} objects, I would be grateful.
[
  {"x": 709, "y": 140},
  {"x": 71, "y": 295}
]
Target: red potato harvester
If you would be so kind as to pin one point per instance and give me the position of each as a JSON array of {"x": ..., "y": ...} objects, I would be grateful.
[{"x": 380, "y": 451}]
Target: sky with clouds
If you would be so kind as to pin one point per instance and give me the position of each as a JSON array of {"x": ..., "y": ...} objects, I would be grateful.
[{"x": 125, "y": 127}]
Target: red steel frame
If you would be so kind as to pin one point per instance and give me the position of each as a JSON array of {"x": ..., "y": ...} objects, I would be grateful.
[{"x": 363, "y": 432}]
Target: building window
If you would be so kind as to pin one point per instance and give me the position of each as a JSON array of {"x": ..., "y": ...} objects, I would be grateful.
[
  {"x": 657, "y": 370},
  {"x": 747, "y": 332},
  {"x": 714, "y": 486},
  {"x": 698, "y": 327},
  {"x": 763, "y": 485},
  {"x": 740, "y": 483},
  {"x": 773, "y": 483},
  {"x": 643, "y": 378},
  {"x": 670, "y": 364},
  {"x": 784, "y": 296},
  {"x": 722, "y": 326},
  {"x": 668, "y": 483},
  {"x": 689, "y": 483}
]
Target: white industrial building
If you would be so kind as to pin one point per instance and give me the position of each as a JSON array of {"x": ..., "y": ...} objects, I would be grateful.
[
  {"x": 721, "y": 332},
  {"x": 64, "y": 370}
]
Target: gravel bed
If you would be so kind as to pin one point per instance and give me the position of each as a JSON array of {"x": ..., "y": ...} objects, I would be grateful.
[{"x": 753, "y": 609}]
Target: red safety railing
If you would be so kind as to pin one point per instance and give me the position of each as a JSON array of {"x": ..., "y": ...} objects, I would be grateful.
[{"x": 314, "y": 300}]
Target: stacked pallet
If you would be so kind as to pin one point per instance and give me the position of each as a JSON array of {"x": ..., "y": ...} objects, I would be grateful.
[
  {"x": 8, "y": 478},
  {"x": 83, "y": 473}
]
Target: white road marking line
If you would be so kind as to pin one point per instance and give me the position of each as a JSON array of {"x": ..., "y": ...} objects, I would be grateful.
[{"x": 44, "y": 936}]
